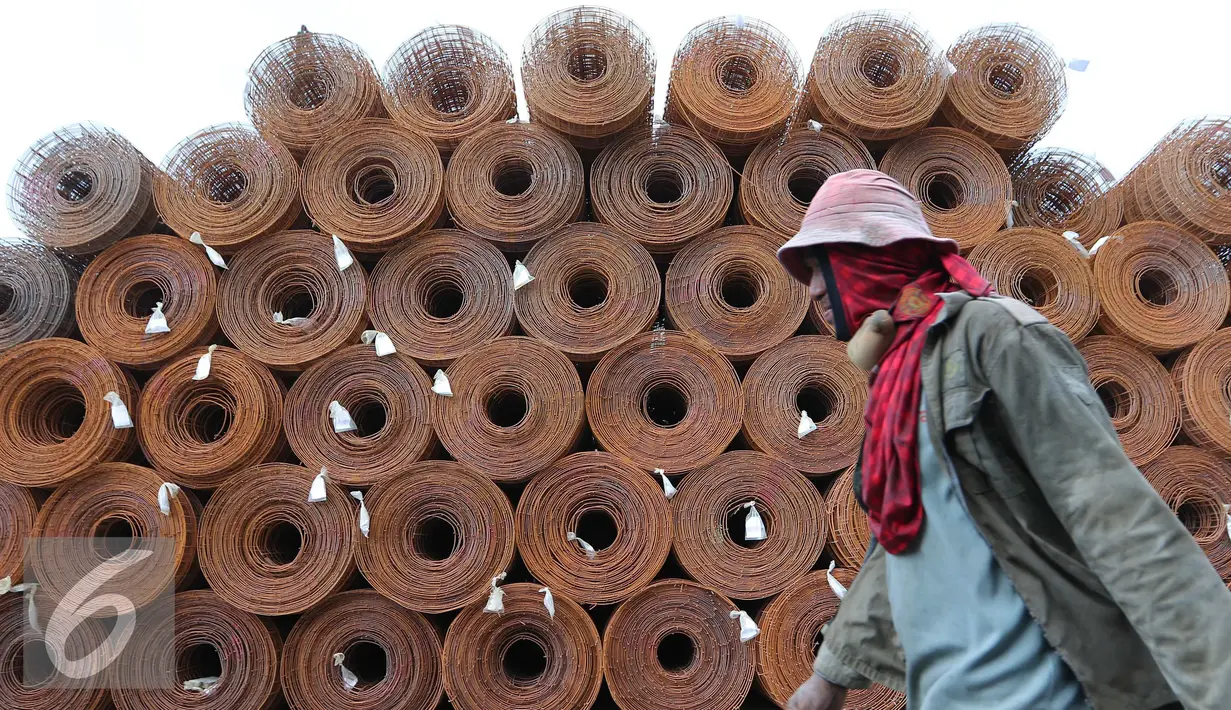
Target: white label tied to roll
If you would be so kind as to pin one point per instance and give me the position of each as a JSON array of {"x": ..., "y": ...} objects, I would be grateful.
[
  {"x": 549, "y": 601},
  {"x": 365, "y": 520},
  {"x": 495, "y": 599},
  {"x": 157, "y": 322},
  {"x": 748, "y": 629},
  {"x": 28, "y": 590},
  {"x": 349, "y": 679},
  {"x": 806, "y": 425},
  {"x": 839, "y": 590},
  {"x": 384, "y": 346},
  {"x": 214, "y": 257},
  {"x": 204, "y": 686},
  {"x": 166, "y": 492},
  {"x": 342, "y": 254},
  {"x": 1075, "y": 239},
  {"x": 754, "y": 527},
  {"x": 287, "y": 321},
  {"x": 815, "y": 125},
  {"x": 5, "y": 585},
  {"x": 204, "y": 363},
  {"x": 1008, "y": 213},
  {"x": 342, "y": 421},
  {"x": 440, "y": 384},
  {"x": 1227, "y": 507},
  {"x": 668, "y": 489},
  {"x": 1079, "y": 65},
  {"x": 521, "y": 275},
  {"x": 1103, "y": 240},
  {"x": 120, "y": 418},
  {"x": 585, "y": 546},
  {"x": 317, "y": 493}
]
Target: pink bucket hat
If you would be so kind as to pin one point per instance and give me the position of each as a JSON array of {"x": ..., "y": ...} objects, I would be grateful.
[{"x": 857, "y": 207}]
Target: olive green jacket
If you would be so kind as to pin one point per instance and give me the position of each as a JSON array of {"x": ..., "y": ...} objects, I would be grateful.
[{"x": 1119, "y": 587}]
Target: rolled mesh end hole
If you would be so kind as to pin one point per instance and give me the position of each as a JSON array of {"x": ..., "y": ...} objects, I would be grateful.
[
  {"x": 63, "y": 411},
  {"x": 664, "y": 187},
  {"x": 1039, "y": 287},
  {"x": 1221, "y": 170},
  {"x": 598, "y": 528},
  {"x": 75, "y": 185},
  {"x": 443, "y": 299},
  {"x": 817, "y": 401},
  {"x": 513, "y": 178},
  {"x": 32, "y": 666},
  {"x": 1196, "y": 515},
  {"x": 676, "y": 652},
  {"x": 7, "y": 295},
  {"x": 735, "y": 526},
  {"x": 370, "y": 418},
  {"x": 200, "y": 660},
  {"x": 943, "y": 191},
  {"x": 738, "y": 74},
  {"x": 141, "y": 298},
  {"x": 524, "y": 661},
  {"x": 115, "y": 535},
  {"x": 804, "y": 184},
  {"x": 450, "y": 91},
  {"x": 665, "y": 405},
  {"x": 224, "y": 182},
  {"x": 739, "y": 290},
  {"x": 309, "y": 91},
  {"x": 297, "y": 304},
  {"x": 587, "y": 62},
  {"x": 208, "y": 420},
  {"x": 1005, "y": 79},
  {"x": 368, "y": 661},
  {"x": 881, "y": 68},
  {"x": 587, "y": 289},
  {"x": 282, "y": 543},
  {"x": 435, "y": 538},
  {"x": 507, "y": 408},
  {"x": 374, "y": 184},
  {"x": 1059, "y": 201},
  {"x": 1158, "y": 287}
]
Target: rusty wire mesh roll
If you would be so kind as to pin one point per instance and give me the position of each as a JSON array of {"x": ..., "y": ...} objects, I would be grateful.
[
  {"x": 517, "y": 406},
  {"x": 309, "y": 85},
  {"x": 1008, "y": 87},
  {"x": 82, "y": 188},
  {"x": 21, "y": 645},
  {"x": 708, "y": 525},
  {"x": 116, "y": 504},
  {"x": 588, "y": 73},
  {"x": 849, "y": 534},
  {"x": 665, "y": 400},
  {"x": 211, "y": 638},
  {"x": 810, "y": 373},
  {"x": 293, "y": 273},
  {"x": 784, "y": 173},
  {"x": 439, "y": 533},
  {"x": 877, "y": 75},
  {"x": 119, "y": 289},
  {"x": 606, "y": 501},
  {"x": 1138, "y": 393},
  {"x": 593, "y": 289},
  {"x": 18, "y": 510},
  {"x": 447, "y": 82},
  {"x": 373, "y": 184},
  {"x": 55, "y": 420},
  {"x": 36, "y": 294},
  {"x": 734, "y": 80},
  {"x": 1196, "y": 484},
  {"x": 1186, "y": 180},
  {"x": 265, "y": 549},
  {"x": 662, "y": 186},
  {"x": 442, "y": 295},
  {"x": 200, "y": 433},
  {"x": 1062, "y": 190},
  {"x": 673, "y": 645},
  {"x": 1160, "y": 286},
  {"x": 515, "y": 183},
  {"x": 728, "y": 288},
  {"x": 791, "y": 627},
  {"x": 963, "y": 185},
  {"x": 1040, "y": 267},
  {"x": 230, "y": 184},
  {"x": 388, "y": 399},
  {"x": 1203, "y": 377},
  {"x": 523, "y": 658},
  {"x": 394, "y": 652}
]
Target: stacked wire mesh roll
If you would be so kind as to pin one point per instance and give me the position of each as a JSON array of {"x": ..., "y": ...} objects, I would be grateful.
[{"x": 435, "y": 404}]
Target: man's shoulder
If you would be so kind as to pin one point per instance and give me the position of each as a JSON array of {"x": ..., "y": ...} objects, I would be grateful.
[{"x": 997, "y": 312}]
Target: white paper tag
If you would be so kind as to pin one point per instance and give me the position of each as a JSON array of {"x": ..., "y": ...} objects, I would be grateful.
[
  {"x": 440, "y": 384},
  {"x": 1079, "y": 64},
  {"x": 549, "y": 601},
  {"x": 365, "y": 520},
  {"x": 748, "y": 629},
  {"x": 815, "y": 125},
  {"x": 754, "y": 527},
  {"x": 166, "y": 492},
  {"x": 806, "y": 425},
  {"x": 5, "y": 585},
  {"x": 585, "y": 546},
  {"x": 157, "y": 322},
  {"x": 120, "y": 418},
  {"x": 1227, "y": 508},
  {"x": 298, "y": 320},
  {"x": 342, "y": 421},
  {"x": 838, "y": 590},
  {"x": 1008, "y": 213},
  {"x": 521, "y": 275},
  {"x": 316, "y": 493},
  {"x": 1075, "y": 241},
  {"x": 384, "y": 346},
  {"x": 204, "y": 363},
  {"x": 1103, "y": 240},
  {"x": 27, "y": 590},
  {"x": 668, "y": 489},
  {"x": 349, "y": 679},
  {"x": 495, "y": 599},
  {"x": 342, "y": 254},
  {"x": 214, "y": 257},
  {"x": 204, "y": 686},
  {"x": 950, "y": 66},
  {"x": 739, "y": 22}
]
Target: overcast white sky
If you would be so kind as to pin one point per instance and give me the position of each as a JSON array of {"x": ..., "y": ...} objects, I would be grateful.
[{"x": 159, "y": 70}]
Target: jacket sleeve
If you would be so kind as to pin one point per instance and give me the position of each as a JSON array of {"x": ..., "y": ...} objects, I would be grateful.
[{"x": 1126, "y": 534}]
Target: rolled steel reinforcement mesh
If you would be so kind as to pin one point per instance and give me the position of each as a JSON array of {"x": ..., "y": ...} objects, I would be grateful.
[
  {"x": 121, "y": 287},
  {"x": 1008, "y": 86},
  {"x": 792, "y": 628},
  {"x": 309, "y": 85},
  {"x": 734, "y": 80},
  {"x": 807, "y": 373},
  {"x": 229, "y": 184},
  {"x": 1186, "y": 180},
  {"x": 1160, "y": 286},
  {"x": 876, "y": 75},
  {"x": 439, "y": 533},
  {"x": 662, "y": 186},
  {"x": 20, "y": 645},
  {"x": 1203, "y": 377},
  {"x": 1063, "y": 190},
  {"x": 674, "y": 645},
  {"x": 783, "y": 174},
  {"x": 199, "y": 433},
  {"x": 618, "y": 510},
  {"x": 373, "y": 184},
  {"x": 593, "y": 289},
  {"x": 1041, "y": 268},
  {"x": 588, "y": 73},
  {"x": 849, "y": 534},
  {"x": 387, "y": 398},
  {"x": 394, "y": 653},
  {"x": 523, "y": 657},
  {"x": 18, "y": 508},
  {"x": 211, "y": 637},
  {"x": 82, "y": 188},
  {"x": 1196, "y": 484},
  {"x": 447, "y": 82},
  {"x": 708, "y": 520},
  {"x": 963, "y": 185},
  {"x": 442, "y": 295},
  {"x": 36, "y": 294},
  {"x": 728, "y": 288},
  {"x": 1138, "y": 393}
]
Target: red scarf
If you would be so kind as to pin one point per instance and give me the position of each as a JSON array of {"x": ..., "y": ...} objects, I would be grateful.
[{"x": 905, "y": 279}]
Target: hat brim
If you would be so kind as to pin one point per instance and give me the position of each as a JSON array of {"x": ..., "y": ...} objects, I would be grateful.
[{"x": 872, "y": 230}]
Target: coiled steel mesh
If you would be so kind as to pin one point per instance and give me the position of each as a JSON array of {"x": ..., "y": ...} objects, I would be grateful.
[
  {"x": 849, "y": 534},
  {"x": 1196, "y": 484},
  {"x": 1062, "y": 190},
  {"x": 1186, "y": 180},
  {"x": 1203, "y": 376},
  {"x": 1138, "y": 393},
  {"x": 36, "y": 294},
  {"x": 447, "y": 82},
  {"x": 21, "y": 647},
  {"x": 18, "y": 509},
  {"x": 588, "y": 73}
]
